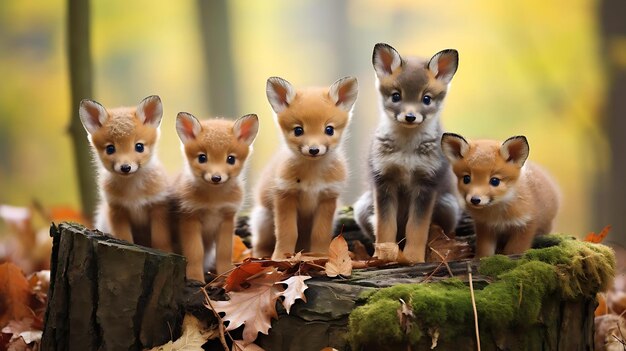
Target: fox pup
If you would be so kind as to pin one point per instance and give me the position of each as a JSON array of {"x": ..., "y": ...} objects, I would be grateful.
[
  {"x": 411, "y": 180},
  {"x": 510, "y": 200},
  {"x": 208, "y": 192},
  {"x": 298, "y": 191},
  {"x": 133, "y": 184}
]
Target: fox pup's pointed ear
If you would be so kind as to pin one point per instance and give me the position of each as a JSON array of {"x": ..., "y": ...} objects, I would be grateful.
[
  {"x": 444, "y": 64},
  {"x": 187, "y": 126},
  {"x": 92, "y": 114},
  {"x": 454, "y": 146},
  {"x": 246, "y": 128},
  {"x": 385, "y": 59},
  {"x": 150, "y": 111},
  {"x": 344, "y": 92},
  {"x": 515, "y": 150},
  {"x": 280, "y": 93}
]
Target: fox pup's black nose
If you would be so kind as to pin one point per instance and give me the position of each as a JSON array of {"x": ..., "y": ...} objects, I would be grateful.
[
  {"x": 475, "y": 200},
  {"x": 410, "y": 117},
  {"x": 125, "y": 168},
  {"x": 314, "y": 151},
  {"x": 216, "y": 178}
]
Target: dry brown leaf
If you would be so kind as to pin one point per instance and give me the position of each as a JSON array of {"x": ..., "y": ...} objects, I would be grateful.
[
  {"x": 254, "y": 306},
  {"x": 193, "y": 337},
  {"x": 295, "y": 290},
  {"x": 240, "y": 274},
  {"x": 339, "y": 261},
  {"x": 602, "y": 308},
  {"x": 26, "y": 329},
  {"x": 434, "y": 337},
  {"x": 405, "y": 316},
  {"x": 447, "y": 247},
  {"x": 609, "y": 331},
  {"x": 360, "y": 252},
  {"x": 14, "y": 294},
  {"x": 387, "y": 251},
  {"x": 240, "y": 250},
  {"x": 240, "y": 345}
]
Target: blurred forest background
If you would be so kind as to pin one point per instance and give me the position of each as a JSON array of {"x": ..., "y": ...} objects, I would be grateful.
[{"x": 550, "y": 70}]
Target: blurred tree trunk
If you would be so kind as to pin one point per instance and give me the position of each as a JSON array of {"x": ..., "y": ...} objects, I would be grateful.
[
  {"x": 79, "y": 57},
  {"x": 613, "y": 26},
  {"x": 219, "y": 73}
]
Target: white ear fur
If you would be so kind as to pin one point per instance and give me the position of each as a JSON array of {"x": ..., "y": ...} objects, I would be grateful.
[
  {"x": 444, "y": 64},
  {"x": 343, "y": 92},
  {"x": 150, "y": 111},
  {"x": 385, "y": 59},
  {"x": 187, "y": 126},
  {"x": 280, "y": 93},
  {"x": 454, "y": 146},
  {"x": 246, "y": 128},
  {"x": 92, "y": 114},
  {"x": 515, "y": 150}
]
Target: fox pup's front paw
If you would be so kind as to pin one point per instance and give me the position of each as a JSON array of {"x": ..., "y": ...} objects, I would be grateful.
[{"x": 414, "y": 255}]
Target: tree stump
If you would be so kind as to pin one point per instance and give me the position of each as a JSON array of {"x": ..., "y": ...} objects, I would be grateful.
[{"x": 107, "y": 294}]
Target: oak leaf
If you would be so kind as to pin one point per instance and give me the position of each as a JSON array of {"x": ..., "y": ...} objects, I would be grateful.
[
  {"x": 193, "y": 337},
  {"x": 339, "y": 261},
  {"x": 295, "y": 290},
  {"x": 240, "y": 274},
  {"x": 254, "y": 307},
  {"x": 14, "y": 294}
]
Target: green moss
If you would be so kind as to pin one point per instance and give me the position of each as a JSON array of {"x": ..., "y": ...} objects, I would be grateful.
[
  {"x": 564, "y": 267},
  {"x": 493, "y": 266}
]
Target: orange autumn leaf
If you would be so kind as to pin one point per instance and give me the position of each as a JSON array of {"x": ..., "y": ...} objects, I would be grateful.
[
  {"x": 14, "y": 294},
  {"x": 240, "y": 274},
  {"x": 597, "y": 238},
  {"x": 64, "y": 213},
  {"x": 240, "y": 250}
]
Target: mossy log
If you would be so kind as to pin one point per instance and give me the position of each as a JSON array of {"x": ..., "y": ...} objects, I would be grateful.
[
  {"x": 107, "y": 294},
  {"x": 542, "y": 300}
]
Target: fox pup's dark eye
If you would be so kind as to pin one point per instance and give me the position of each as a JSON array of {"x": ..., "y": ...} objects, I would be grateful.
[
  {"x": 202, "y": 158},
  {"x": 330, "y": 130},
  {"x": 139, "y": 147},
  {"x": 297, "y": 131},
  {"x": 494, "y": 181},
  {"x": 230, "y": 159},
  {"x": 395, "y": 97},
  {"x": 426, "y": 100},
  {"x": 110, "y": 149},
  {"x": 467, "y": 179}
]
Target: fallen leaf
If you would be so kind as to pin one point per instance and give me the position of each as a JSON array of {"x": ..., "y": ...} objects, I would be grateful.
[
  {"x": 65, "y": 213},
  {"x": 434, "y": 337},
  {"x": 14, "y": 294},
  {"x": 295, "y": 290},
  {"x": 240, "y": 345},
  {"x": 18, "y": 345},
  {"x": 193, "y": 337},
  {"x": 609, "y": 330},
  {"x": 597, "y": 238},
  {"x": 240, "y": 274},
  {"x": 387, "y": 251},
  {"x": 405, "y": 316},
  {"x": 443, "y": 247},
  {"x": 240, "y": 250},
  {"x": 254, "y": 307},
  {"x": 602, "y": 308},
  {"x": 339, "y": 261}
]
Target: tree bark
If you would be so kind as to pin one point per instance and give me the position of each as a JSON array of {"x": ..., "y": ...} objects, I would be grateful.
[
  {"x": 106, "y": 294},
  {"x": 219, "y": 73},
  {"x": 79, "y": 61}
]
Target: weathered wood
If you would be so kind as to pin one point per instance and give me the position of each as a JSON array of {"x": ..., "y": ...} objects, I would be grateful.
[{"x": 106, "y": 294}]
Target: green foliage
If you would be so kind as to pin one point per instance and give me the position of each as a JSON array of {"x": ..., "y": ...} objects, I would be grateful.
[{"x": 570, "y": 269}]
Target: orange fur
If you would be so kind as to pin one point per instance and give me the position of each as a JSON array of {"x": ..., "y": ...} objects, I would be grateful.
[
  {"x": 206, "y": 206},
  {"x": 510, "y": 214},
  {"x": 298, "y": 191},
  {"x": 133, "y": 183}
]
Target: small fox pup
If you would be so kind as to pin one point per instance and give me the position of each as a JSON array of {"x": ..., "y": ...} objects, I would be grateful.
[
  {"x": 208, "y": 192},
  {"x": 411, "y": 180},
  {"x": 510, "y": 200},
  {"x": 133, "y": 184},
  {"x": 298, "y": 191}
]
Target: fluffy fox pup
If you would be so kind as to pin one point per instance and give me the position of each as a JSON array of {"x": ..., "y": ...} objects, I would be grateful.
[
  {"x": 510, "y": 200},
  {"x": 208, "y": 192},
  {"x": 298, "y": 191},
  {"x": 133, "y": 184},
  {"x": 411, "y": 181}
]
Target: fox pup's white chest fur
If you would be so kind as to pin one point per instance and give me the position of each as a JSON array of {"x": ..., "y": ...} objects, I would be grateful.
[{"x": 298, "y": 192}]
